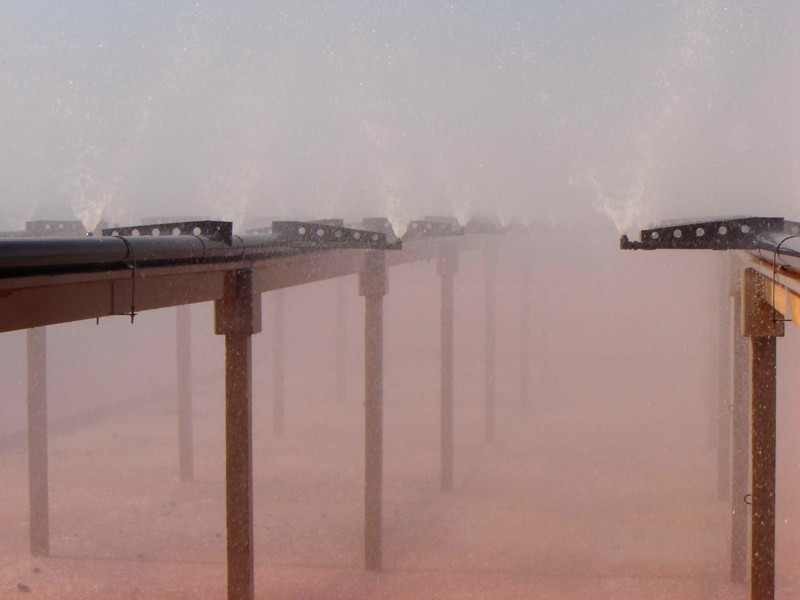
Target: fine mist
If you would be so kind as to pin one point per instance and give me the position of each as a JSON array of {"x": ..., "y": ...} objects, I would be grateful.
[{"x": 570, "y": 122}]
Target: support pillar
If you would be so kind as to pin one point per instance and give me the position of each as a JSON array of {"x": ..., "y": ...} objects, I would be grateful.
[
  {"x": 722, "y": 408},
  {"x": 238, "y": 317},
  {"x": 183, "y": 337},
  {"x": 525, "y": 329},
  {"x": 447, "y": 269},
  {"x": 341, "y": 340},
  {"x": 278, "y": 361},
  {"x": 490, "y": 281},
  {"x": 373, "y": 286},
  {"x": 740, "y": 471},
  {"x": 762, "y": 325},
  {"x": 39, "y": 496}
]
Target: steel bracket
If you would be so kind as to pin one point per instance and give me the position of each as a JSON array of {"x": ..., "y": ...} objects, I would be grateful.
[
  {"x": 723, "y": 234},
  {"x": 321, "y": 234},
  {"x": 53, "y": 228},
  {"x": 433, "y": 226},
  {"x": 220, "y": 231}
]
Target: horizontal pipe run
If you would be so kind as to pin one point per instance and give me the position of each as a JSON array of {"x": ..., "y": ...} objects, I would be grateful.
[
  {"x": 99, "y": 253},
  {"x": 60, "y": 294}
]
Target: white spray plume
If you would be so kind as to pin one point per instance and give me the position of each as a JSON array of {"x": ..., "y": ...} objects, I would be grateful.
[
  {"x": 90, "y": 199},
  {"x": 233, "y": 202}
]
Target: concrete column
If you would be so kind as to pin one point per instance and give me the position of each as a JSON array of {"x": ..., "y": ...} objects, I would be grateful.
[
  {"x": 238, "y": 317},
  {"x": 762, "y": 325},
  {"x": 39, "y": 496},
  {"x": 341, "y": 340},
  {"x": 490, "y": 280},
  {"x": 741, "y": 444},
  {"x": 278, "y": 361},
  {"x": 373, "y": 286},
  {"x": 183, "y": 337},
  {"x": 447, "y": 270}
]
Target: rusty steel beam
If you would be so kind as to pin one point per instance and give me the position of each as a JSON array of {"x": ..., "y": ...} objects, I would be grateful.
[
  {"x": 722, "y": 406},
  {"x": 762, "y": 585},
  {"x": 238, "y": 317},
  {"x": 762, "y": 324},
  {"x": 740, "y": 470}
]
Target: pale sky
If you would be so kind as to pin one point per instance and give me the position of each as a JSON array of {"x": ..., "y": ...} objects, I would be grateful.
[{"x": 638, "y": 110}]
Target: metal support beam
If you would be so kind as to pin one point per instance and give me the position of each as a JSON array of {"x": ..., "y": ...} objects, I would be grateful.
[
  {"x": 341, "y": 340},
  {"x": 37, "y": 443},
  {"x": 762, "y": 584},
  {"x": 490, "y": 281},
  {"x": 525, "y": 330},
  {"x": 722, "y": 406},
  {"x": 238, "y": 317},
  {"x": 373, "y": 286},
  {"x": 741, "y": 444},
  {"x": 762, "y": 324},
  {"x": 447, "y": 268},
  {"x": 183, "y": 337},
  {"x": 278, "y": 361}
]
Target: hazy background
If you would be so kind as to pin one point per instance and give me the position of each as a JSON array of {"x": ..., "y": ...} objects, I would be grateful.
[
  {"x": 596, "y": 117},
  {"x": 639, "y": 110}
]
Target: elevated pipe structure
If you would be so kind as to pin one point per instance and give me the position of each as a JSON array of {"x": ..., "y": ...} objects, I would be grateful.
[
  {"x": 769, "y": 273},
  {"x": 133, "y": 269}
]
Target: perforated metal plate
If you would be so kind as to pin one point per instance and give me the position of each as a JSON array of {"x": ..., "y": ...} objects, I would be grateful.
[
  {"x": 433, "y": 226},
  {"x": 53, "y": 228},
  {"x": 319, "y": 234},
  {"x": 722, "y": 234},
  {"x": 221, "y": 231}
]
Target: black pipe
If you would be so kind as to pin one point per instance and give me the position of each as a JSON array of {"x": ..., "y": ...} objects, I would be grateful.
[{"x": 97, "y": 253}]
